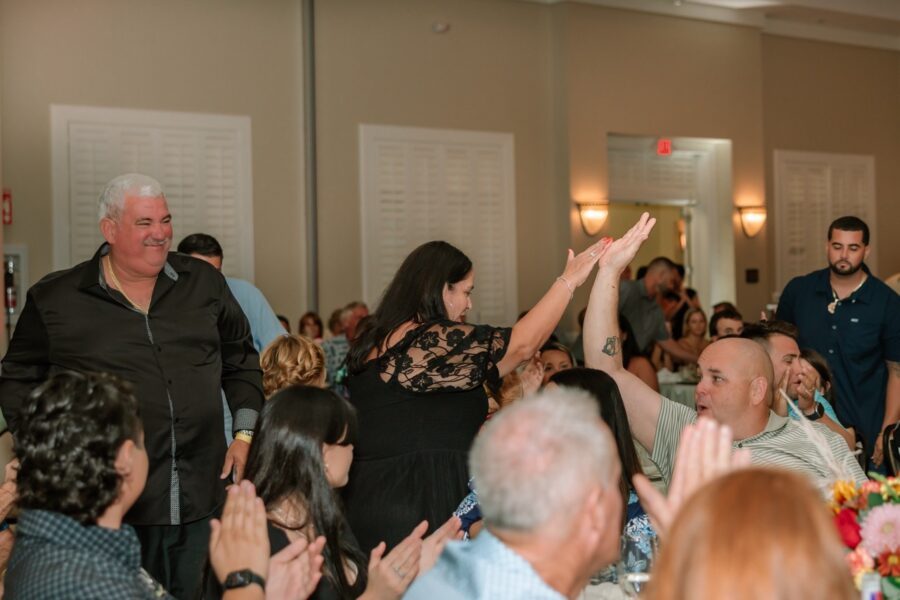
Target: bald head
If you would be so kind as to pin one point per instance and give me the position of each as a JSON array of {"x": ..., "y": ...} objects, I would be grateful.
[{"x": 748, "y": 357}]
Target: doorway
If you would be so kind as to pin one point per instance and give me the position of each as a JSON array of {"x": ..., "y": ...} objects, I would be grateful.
[{"x": 689, "y": 193}]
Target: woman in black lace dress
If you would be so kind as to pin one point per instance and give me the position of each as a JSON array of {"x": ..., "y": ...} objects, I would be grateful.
[{"x": 417, "y": 376}]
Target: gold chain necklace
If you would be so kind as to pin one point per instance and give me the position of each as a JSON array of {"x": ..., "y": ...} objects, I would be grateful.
[
  {"x": 115, "y": 280},
  {"x": 836, "y": 301}
]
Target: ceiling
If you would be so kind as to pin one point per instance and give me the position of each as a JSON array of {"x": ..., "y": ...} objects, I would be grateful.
[{"x": 873, "y": 23}]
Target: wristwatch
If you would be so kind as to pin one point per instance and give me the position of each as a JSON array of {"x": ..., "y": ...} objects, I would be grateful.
[
  {"x": 243, "y": 578},
  {"x": 816, "y": 414}
]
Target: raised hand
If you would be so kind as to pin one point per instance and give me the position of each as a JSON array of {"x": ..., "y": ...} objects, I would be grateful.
[
  {"x": 433, "y": 545},
  {"x": 705, "y": 452},
  {"x": 617, "y": 255},
  {"x": 295, "y": 571},
  {"x": 240, "y": 540},
  {"x": 579, "y": 266},
  {"x": 390, "y": 575}
]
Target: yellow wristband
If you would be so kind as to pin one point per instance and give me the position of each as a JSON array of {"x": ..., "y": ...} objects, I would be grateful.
[{"x": 244, "y": 437}]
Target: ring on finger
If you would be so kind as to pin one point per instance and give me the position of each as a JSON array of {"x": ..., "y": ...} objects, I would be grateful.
[{"x": 399, "y": 573}]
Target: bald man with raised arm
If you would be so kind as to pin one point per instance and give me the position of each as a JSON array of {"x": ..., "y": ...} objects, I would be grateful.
[{"x": 735, "y": 388}]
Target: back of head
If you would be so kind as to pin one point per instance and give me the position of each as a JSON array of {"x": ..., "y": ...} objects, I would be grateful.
[
  {"x": 754, "y": 533},
  {"x": 604, "y": 390},
  {"x": 202, "y": 244},
  {"x": 850, "y": 223},
  {"x": 536, "y": 460},
  {"x": 416, "y": 293},
  {"x": 291, "y": 360},
  {"x": 72, "y": 428},
  {"x": 112, "y": 198},
  {"x": 661, "y": 264},
  {"x": 763, "y": 331}
]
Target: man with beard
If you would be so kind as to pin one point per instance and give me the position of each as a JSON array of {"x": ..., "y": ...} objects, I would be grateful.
[{"x": 852, "y": 319}]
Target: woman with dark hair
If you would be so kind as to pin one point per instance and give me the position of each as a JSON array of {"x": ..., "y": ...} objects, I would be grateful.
[
  {"x": 310, "y": 325},
  {"x": 301, "y": 452},
  {"x": 604, "y": 390},
  {"x": 416, "y": 377}
]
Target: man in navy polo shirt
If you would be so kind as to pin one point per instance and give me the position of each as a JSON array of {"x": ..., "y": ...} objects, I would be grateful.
[{"x": 852, "y": 319}]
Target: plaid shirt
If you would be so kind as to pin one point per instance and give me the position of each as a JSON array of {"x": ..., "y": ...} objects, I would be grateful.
[{"x": 56, "y": 558}]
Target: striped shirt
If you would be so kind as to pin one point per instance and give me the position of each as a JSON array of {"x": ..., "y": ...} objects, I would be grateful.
[{"x": 783, "y": 443}]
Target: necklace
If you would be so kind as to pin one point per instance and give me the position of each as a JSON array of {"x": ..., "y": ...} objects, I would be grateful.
[
  {"x": 836, "y": 301},
  {"x": 115, "y": 280}
]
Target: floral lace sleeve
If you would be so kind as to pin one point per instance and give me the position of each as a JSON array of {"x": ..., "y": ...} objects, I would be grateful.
[{"x": 448, "y": 356}]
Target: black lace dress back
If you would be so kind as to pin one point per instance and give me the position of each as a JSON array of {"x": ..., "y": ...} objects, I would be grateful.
[{"x": 420, "y": 405}]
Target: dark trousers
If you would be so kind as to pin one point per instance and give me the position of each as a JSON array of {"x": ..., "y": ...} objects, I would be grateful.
[{"x": 175, "y": 555}]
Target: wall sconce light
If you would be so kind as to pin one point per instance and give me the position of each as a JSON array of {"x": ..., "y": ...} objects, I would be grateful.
[
  {"x": 752, "y": 219},
  {"x": 593, "y": 217}
]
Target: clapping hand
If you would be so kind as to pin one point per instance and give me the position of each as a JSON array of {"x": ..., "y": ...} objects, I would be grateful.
[
  {"x": 240, "y": 540},
  {"x": 618, "y": 254},
  {"x": 579, "y": 266},
  {"x": 294, "y": 571},
  {"x": 433, "y": 545},
  {"x": 705, "y": 452},
  {"x": 390, "y": 575},
  {"x": 532, "y": 375}
]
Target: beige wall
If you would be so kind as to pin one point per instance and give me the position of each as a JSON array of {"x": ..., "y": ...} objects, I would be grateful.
[
  {"x": 830, "y": 98},
  {"x": 380, "y": 63},
  {"x": 215, "y": 56},
  {"x": 558, "y": 77},
  {"x": 634, "y": 73}
]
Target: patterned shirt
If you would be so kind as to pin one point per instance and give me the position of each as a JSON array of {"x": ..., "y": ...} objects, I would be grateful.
[
  {"x": 56, "y": 558},
  {"x": 783, "y": 443},
  {"x": 480, "y": 570},
  {"x": 336, "y": 350}
]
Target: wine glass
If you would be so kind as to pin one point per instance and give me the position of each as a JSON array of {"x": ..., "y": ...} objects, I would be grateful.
[{"x": 638, "y": 550}]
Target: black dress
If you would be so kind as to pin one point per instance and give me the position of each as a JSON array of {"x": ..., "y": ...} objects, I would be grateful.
[{"x": 420, "y": 405}]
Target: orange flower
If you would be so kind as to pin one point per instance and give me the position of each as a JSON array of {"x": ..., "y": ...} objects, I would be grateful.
[{"x": 889, "y": 564}]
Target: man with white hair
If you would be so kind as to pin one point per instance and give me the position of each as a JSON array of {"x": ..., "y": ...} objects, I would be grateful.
[
  {"x": 167, "y": 324},
  {"x": 548, "y": 484}
]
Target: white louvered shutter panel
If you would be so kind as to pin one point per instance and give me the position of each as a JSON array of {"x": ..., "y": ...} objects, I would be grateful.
[
  {"x": 202, "y": 161},
  {"x": 419, "y": 185},
  {"x": 811, "y": 190},
  {"x": 647, "y": 177}
]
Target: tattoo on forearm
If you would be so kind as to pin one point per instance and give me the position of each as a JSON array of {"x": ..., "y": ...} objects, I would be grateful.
[
  {"x": 894, "y": 368},
  {"x": 612, "y": 346}
]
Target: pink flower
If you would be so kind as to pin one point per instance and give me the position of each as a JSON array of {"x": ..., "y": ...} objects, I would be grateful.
[
  {"x": 881, "y": 529},
  {"x": 860, "y": 561}
]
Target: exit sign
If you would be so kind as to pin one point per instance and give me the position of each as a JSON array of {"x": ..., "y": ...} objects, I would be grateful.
[{"x": 664, "y": 147}]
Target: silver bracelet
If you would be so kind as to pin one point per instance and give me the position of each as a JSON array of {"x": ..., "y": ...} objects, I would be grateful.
[{"x": 568, "y": 286}]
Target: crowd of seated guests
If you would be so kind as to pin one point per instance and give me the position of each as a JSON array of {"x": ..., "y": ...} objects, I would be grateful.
[{"x": 557, "y": 472}]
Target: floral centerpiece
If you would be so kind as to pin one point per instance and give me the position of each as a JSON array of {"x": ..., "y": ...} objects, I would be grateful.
[{"x": 868, "y": 519}]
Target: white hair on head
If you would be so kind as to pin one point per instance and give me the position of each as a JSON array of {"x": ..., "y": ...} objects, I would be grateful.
[
  {"x": 112, "y": 199},
  {"x": 537, "y": 459}
]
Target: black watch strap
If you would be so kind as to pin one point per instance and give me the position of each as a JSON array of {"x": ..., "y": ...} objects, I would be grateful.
[
  {"x": 243, "y": 578},
  {"x": 818, "y": 413}
]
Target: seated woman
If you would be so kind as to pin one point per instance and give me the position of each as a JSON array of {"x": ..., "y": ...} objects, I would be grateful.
[
  {"x": 555, "y": 357},
  {"x": 310, "y": 325},
  {"x": 82, "y": 466},
  {"x": 301, "y": 452},
  {"x": 292, "y": 360},
  {"x": 715, "y": 544},
  {"x": 605, "y": 391},
  {"x": 694, "y": 332}
]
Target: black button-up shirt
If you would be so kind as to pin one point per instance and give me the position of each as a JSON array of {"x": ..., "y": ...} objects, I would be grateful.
[
  {"x": 856, "y": 340},
  {"x": 194, "y": 342}
]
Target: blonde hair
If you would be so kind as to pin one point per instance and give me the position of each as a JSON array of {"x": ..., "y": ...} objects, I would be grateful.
[
  {"x": 755, "y": 533},
  {"x": 289, "y": 360}
]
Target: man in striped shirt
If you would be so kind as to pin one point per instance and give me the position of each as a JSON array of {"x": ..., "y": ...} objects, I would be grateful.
[{"x": 736, "y": 389}]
